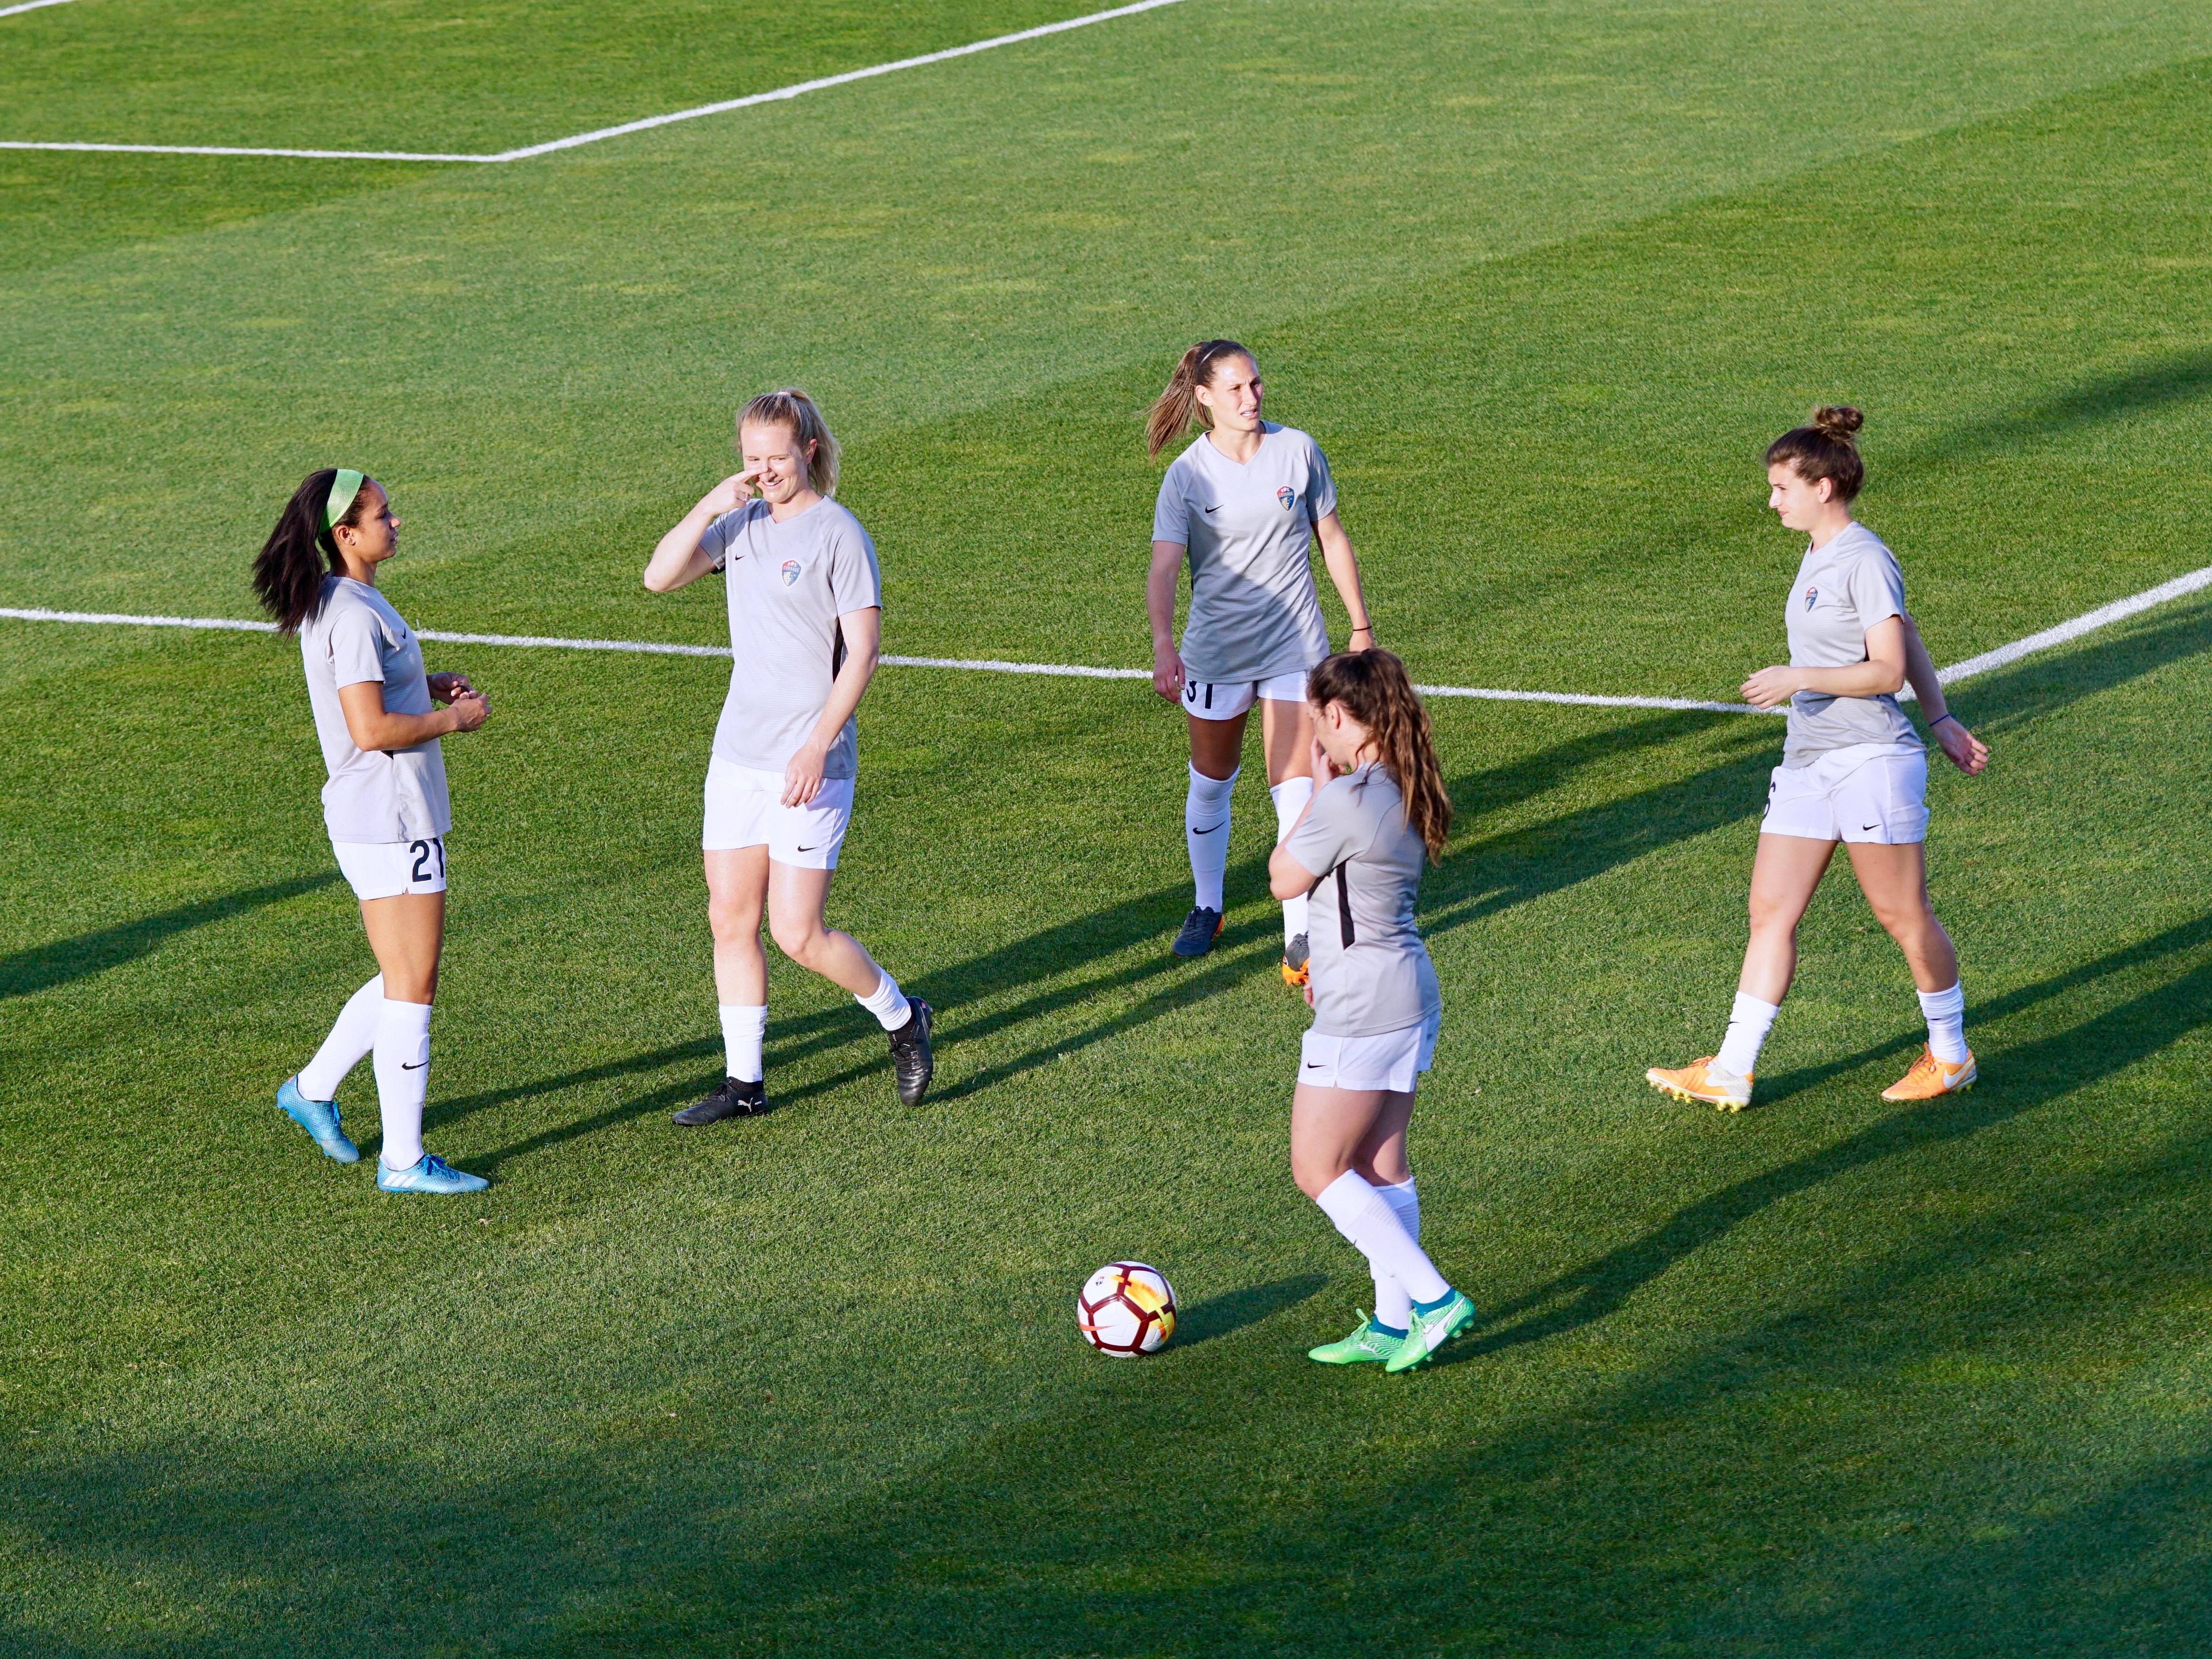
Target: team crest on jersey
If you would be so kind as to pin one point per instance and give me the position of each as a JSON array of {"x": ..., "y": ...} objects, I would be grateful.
[
  {"x": 1286, "y": 495},
  {"x": 790, "y": 572},
  {"x": 1812, "y": 596}
]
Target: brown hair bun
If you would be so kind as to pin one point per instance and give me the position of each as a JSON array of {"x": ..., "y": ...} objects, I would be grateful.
[
  {"x": 1838, "y": 421},
  {"x": 1823, "y": 449}
]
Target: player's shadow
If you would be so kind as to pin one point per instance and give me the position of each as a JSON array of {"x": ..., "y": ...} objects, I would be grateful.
[
  {"x": 43, "y": 967},
  {"x": 2016, "y": 1080},
  {"x": 2156, "y": 383},
  {"x": 1234, "y": 1311}
]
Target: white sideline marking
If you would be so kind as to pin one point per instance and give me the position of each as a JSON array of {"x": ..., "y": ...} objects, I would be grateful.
[
  {"x": 598, "y": 133},
  {"x": 2103, "y": 616},
  {"x": 29, "y": 5}
]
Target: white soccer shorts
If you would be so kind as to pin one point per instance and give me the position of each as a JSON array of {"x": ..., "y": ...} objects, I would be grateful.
[
  {"x": 1878, "y": 795},
  {"x": 1394, "y": 1060},
  {"x": 745, "y": 808},
  {"x": 386, "y": 869},
  {"x": 1224, "y": 699}
]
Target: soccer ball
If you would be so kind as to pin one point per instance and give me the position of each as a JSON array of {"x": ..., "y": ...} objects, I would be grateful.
[{"x": 1125, "y": 1309}]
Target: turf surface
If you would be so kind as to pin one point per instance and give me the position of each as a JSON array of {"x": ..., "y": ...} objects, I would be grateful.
[{"x": 1829, "y": 1378}]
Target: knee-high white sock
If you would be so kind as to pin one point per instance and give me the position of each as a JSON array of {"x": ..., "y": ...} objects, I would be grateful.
[
  {"x": 402, "y": 1079},
  {"x": 1205, "y": 832},
  {"x": 352, "y": 1036},
  {"x": 1945, "y": 1012},
  {"x": 743, "y": 1030},
  {"x": 1290, "y": 797},
  {"x": 1364, "y": 1217},
  {"x": 1749, "y": 1022},
  {"x": 1392, "y": 1307},
  {"x": 887, "y": 1003}
]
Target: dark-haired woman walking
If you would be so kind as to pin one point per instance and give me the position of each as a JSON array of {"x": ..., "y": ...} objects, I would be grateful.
[
  {"x": 377, "y": 715},
  {"x": 1377, "y": 814},
  {"x": 1853, "y": 771},
  {"x": 1243, "y": 506}
]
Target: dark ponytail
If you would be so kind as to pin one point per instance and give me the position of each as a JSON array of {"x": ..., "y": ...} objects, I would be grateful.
[
  {"x": 1824, "y": 448},
  {"x": 1376, "y": 690},
  {"x": 287, "y": 577}
]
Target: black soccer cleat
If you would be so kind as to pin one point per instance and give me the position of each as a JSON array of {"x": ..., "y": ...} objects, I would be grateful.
[
  {"x": 912, "y": 1062},
  {"x": 1199, "y": 929},
  {"x": 731, "y": 1098}
]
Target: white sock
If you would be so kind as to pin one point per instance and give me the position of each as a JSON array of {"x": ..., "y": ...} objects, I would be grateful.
[
  {"x": 1749, "y": 1022},
  {"x": 402, "y": 1079},
  {"x": 1290, "y": 797},
  {"x": 743, "y": 1029},
  {"x": 1945, "y": 1012},
  {"x": 353, "y": 1035},
  {"x": 1392, "y": 1307},
  {"x": 1205, "y": 832},
  {"x": 1366, "y": 1218},
  {"x": 887, "y": 1003}
]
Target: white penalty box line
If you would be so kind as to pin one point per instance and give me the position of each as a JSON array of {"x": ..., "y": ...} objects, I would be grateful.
[
  {"x": 2103, "y": 617},
  {"x": 598, "y": 134}
]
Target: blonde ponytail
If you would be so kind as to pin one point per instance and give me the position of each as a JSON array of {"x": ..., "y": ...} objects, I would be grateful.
[{"x": 1177, "y": 408}]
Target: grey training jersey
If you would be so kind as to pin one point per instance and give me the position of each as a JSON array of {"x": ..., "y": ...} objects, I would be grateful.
[
  {"x": 789, "y": 583},
  {"x": 1370, "y": 971},
  {"x": 372, "y": 795},
  {"x": 1250, "y": 532},
  {"x": 1843, "y": 589}
]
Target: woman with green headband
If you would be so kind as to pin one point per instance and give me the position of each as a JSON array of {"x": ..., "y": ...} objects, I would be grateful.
[{"x": 379, "y": 719}]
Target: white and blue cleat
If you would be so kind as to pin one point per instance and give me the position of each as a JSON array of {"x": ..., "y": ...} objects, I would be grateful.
[
  {"x": 319, "y": 1118},
  {"x": 432, "y": 1175}
]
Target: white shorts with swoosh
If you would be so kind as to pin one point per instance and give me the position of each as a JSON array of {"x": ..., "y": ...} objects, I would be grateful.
[
  {"x": 745, "y": 808},
  {"x": 1224, "y": 699},
  {"x": 1394, "y": 1060},
  {"x": 1865, "y": 793}
]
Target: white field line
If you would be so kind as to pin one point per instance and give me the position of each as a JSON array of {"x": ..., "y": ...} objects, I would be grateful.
[
  {"x": 2102, "y": 617},
  {"x": 598, "y": 133},
  {"x": 29, "y": 5}
]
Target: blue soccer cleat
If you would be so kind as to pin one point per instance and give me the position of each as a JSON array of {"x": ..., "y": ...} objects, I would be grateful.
[
  {"x": 432, "y": 1175},
  {"x": 319, "y": 1118}
]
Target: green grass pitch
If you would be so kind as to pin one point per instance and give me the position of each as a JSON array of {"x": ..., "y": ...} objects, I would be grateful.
[{"x": 1543, "y": 276}]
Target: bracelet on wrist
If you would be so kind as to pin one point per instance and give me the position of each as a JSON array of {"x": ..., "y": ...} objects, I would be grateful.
[{"x": 1940, "y": 719}]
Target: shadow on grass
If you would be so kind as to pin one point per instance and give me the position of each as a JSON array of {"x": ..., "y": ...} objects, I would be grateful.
[
  {"x": 1234, "y": 1311},
  {"x": 43, "y": 967},
  {"x": 2157, "y": 383}
]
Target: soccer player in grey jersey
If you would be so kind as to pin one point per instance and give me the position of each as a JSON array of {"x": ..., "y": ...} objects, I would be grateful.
[
  {"x": 1853, "y": 771},
  {"x": 1243, "y": 506},
  {"x": 378, "y": 717},
  {"x": 806, "y": 608},
  {"x": 1377, "y": 814}
]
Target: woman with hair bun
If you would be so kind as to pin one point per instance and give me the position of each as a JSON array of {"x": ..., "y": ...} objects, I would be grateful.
[
  {"x": 378, "y": 717},
  {"x": 1378, "y": 812},
  {"x": 1853, "y": 771},
  {"x": 1243, "y": 506},
  {"x": 805, "y": 604}
]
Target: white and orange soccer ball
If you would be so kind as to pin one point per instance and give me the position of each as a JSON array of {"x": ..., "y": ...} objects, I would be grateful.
[{"x": 1126, "y": 1308}]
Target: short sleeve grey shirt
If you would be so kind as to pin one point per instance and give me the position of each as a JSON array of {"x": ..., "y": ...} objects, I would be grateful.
[
  {"x": 372, "y": 795},
  {"x": 1370, "y": 973},
  {"x": 788, "y": 585},
  {"x": 1843, "y": 589},
  {"x": 1250, "y": 532}
]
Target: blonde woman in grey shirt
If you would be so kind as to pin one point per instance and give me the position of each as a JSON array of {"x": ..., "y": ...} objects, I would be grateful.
[
  {"x": 1243, "y": 506},
  {"x": 379, "y": 717},
  {"x": 1853, "y": 771}
]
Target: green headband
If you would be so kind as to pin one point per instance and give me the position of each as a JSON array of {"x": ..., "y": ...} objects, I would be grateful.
[{"x": 342, "y": 494}]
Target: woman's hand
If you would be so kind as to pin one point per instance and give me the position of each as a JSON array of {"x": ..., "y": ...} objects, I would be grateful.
[
  {"x": 1967, "y": 753},
  {"x": 469, "y": 709},
  {"x": 1322, "y": 769},
  {"x": 444, "y": 688},
  {"x": 1167, "y": 671},
  {"x": 1353, "y": 645},
  {"x": 802, "y": 774},
  {"x": 731, "y": 494},
  {"x": 1772, "y": 686}
]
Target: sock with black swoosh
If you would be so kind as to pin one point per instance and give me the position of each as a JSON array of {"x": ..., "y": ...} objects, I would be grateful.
[
  {"x": 1206, "y": 831},
  {"x": 402, "y": 1079}
]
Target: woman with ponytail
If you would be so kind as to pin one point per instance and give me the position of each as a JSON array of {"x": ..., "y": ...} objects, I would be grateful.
[
  {"x": 1853, "y": 771},
  {"x": 1243, "y": 506},
  {"x": 1376, "y": 813},
  {"x": 379, "y": 719}
]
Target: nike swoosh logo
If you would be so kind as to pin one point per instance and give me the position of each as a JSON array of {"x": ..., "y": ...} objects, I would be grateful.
[
  {"x": 1208, "y": 830},
  {"x": 1213, "y": 509},
  {"x": 1869, "y": 826},
  {"x": 808, "y": 849},
  {"x": 418, "y": 1066},
  {"x": 1313, "y": 1065}
]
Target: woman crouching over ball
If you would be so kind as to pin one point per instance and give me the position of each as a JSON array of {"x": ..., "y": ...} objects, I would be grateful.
[
  {"x": 377, "y": 716},
  {"x": 1379, "y": 811}
]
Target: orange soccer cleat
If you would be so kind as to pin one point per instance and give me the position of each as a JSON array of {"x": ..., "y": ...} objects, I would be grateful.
[
  {"x": 1929, "y": 1077},
  {"x": 1704, "y": 1081}
]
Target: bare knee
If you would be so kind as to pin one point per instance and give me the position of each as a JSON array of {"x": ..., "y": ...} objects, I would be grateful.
[
  {"x": 732, "y": 921},
  {"x": 800, "y": 941},
  {"x": 1314, "y": 1176}
]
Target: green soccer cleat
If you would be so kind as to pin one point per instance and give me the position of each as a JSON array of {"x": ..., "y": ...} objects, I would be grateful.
[
  {"x": 1429, "y": 1332},
  {"x": 1364, "y": 1346}
]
